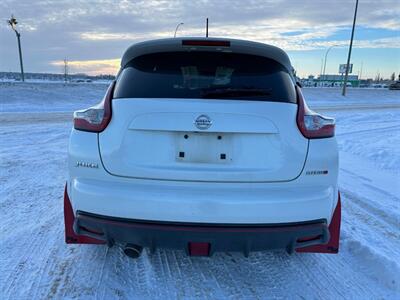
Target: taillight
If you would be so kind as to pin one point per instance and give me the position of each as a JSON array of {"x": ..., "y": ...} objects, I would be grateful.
[
  {"x": 95, "y": 118},
  {"x": 311, "y": 124}
]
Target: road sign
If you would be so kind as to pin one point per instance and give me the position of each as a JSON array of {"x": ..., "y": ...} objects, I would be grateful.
[{"x": 342, "y": 68}]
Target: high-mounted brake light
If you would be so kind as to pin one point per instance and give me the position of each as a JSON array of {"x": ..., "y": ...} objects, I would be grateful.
[
  {"x": 311, "y": 124},
  {"x": 212, "y": 43},
  {"x": 95, "y": 118}
]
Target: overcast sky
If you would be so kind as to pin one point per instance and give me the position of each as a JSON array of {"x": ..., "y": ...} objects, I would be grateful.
[{"x": 93, "y": 35}]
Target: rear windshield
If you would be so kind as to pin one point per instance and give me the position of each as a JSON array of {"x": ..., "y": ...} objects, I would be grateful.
[{"x": 206, "y": 75}]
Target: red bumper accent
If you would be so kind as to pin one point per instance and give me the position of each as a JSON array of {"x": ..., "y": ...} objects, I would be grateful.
[
  {"x": 334, "y": 230},
  {"x": 70, "y": 236}
]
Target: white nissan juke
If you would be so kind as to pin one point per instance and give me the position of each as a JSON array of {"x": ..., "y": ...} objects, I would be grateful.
[{"x": 204, "y": 145}]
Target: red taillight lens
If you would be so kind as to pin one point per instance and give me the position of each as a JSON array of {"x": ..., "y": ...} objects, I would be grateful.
[
  {"x": 95, "y": 118},
  {"x": 311, "y": 124}
]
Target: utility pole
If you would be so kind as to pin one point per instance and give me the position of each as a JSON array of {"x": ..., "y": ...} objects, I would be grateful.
[
  {"x": 351, "y": 46},
  {"x": 65, "y": 70},
  {"x": 13, "y": 23},
  {"x": 207, "y": 27}
]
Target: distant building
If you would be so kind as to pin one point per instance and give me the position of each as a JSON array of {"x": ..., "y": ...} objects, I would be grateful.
[
  {"x": 335, "y": 80},
  {"x": 335, "y": 77},
  {"x": 15, "y": 76}
]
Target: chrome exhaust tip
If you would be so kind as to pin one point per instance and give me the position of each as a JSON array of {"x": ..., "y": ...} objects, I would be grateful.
[{"x": 133, "y": 251}]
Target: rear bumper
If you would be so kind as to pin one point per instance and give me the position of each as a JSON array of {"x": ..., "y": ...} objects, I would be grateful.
[
  {"x": 206, "y": 203},
  {"x": 219, "y": 238},
  {"x": 311, "y": 236}
]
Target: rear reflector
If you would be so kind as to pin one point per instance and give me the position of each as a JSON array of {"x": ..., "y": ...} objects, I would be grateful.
[
  {"x": 199, "y": 249},
  {"x": 206, "y": 43}
]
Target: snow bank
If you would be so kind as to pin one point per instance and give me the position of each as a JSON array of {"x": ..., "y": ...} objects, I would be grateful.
[
  {"x": 331, "y": 97},
  {"x": 380, "y": 268},
  {"x": 49, "y": 97}
]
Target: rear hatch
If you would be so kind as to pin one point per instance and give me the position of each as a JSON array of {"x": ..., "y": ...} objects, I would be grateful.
[{"x": 204, "y": 116}]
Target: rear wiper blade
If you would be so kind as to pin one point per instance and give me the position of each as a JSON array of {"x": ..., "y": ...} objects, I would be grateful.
[{"x": 235, "y": 92}]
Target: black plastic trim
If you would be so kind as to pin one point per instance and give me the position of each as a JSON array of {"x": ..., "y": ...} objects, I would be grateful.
[{"x": 221, "y": 237}]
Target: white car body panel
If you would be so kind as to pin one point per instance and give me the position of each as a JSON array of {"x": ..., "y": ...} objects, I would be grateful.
[
  {"x": 308, "y": 197},
  {"x": 260, "y": 141}
]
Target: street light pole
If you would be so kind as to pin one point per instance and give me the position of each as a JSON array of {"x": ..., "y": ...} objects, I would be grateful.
[
  {"x": 351, "y": 46},
  {"x": 322, "y": 65},
  {"x": 176, "y": 29},
  {"x": 326, "y": 56},
  {"x": 13, "y": 23}
]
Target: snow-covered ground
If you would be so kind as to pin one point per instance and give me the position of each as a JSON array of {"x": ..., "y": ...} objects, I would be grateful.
[
  {"x": 35, "y": 263},
  {"x": 49, "y": 96}
]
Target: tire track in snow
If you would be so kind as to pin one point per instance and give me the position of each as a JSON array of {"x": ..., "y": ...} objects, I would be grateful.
[
  {"x": 388, "y": 220},
  {"x": 374, "y": 239},
  {"x": 368, "y": 131}
]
